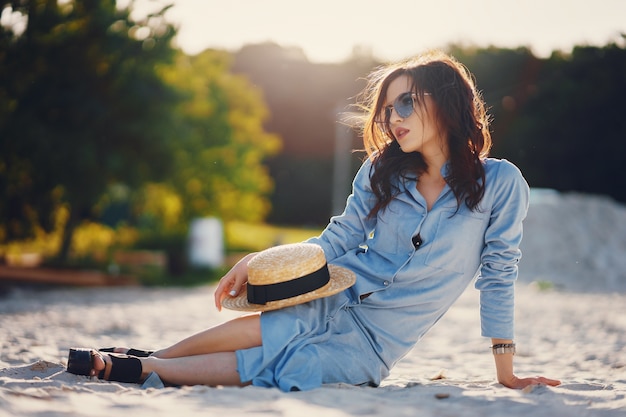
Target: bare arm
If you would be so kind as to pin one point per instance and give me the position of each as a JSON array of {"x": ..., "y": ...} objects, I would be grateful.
[{"x": 504, "y": 368}]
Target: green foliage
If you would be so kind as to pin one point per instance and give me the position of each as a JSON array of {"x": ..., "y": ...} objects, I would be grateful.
[
  {"x": 506, "y": 78},
  {"x": 571, "y": 132},
  {"x": 220, "y": 144},
  {"x": 560, "y": 119},
  {"x": 83, "y": 107},
  {"x": 304, "y": 99},
  {"x": 101, "y": 119}
]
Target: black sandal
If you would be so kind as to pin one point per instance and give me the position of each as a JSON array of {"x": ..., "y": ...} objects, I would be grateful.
[
  {"x": 140, "y": 353},
  {"x": 123, "y": 368}
]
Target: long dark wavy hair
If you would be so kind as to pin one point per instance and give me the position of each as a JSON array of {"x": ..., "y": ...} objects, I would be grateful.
[{"x": 460, "y": 111}]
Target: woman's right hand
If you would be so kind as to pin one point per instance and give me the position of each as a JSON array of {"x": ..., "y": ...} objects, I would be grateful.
[{"x": 231, "y": 284}]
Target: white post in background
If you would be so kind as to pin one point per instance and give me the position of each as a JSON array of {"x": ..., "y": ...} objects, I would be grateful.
[
  {"x": 341, "y": 164},
  {"x": 206, "y": 243}
]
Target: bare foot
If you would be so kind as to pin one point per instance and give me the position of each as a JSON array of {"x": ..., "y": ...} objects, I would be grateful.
[
  {"x": 98, "y": 362},
  {"x": 102, "y": 361}
]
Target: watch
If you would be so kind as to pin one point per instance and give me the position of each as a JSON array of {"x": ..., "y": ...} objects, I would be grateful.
[{"x": 503, "y": 348}]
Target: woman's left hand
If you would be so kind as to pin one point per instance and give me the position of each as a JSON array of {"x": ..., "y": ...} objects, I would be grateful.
[{"x": 520, "y": 383}]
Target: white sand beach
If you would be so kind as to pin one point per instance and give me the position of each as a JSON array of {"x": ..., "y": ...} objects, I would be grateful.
[{"x": 570, "y": 326}]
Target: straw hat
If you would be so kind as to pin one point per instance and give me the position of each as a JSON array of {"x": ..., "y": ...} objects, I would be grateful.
[{"x": 287, "y": 275}]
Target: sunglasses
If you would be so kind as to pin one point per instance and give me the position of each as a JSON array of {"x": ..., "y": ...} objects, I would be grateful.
[{"x": 404, "y": 105}]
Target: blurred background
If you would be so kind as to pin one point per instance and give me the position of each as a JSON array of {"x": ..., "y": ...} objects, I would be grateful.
[{"x": 160, "y": 140}]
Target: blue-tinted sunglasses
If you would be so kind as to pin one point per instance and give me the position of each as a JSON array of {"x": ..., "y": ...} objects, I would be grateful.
[{"x": 404, "y": 105}]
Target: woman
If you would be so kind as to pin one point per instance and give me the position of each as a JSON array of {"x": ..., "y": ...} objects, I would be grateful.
[{"x": 429, "y": 213}]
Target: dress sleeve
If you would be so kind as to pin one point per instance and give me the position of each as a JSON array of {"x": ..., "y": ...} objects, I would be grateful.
[
  {"x": 350, "y": 229},
  {"x": 501, "y": 252}
]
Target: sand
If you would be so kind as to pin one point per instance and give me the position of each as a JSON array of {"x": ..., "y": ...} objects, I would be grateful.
[{"x": 572, "y": 330}]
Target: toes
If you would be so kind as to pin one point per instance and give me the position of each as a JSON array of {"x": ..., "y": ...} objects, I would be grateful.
[{"x": 98, "y": 363}]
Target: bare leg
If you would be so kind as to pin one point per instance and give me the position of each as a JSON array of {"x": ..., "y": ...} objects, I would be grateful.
[
  {"x": 240, "y": 333},
  {"x": 210, "y": 369},
  {"x": 206, "y": 358}
]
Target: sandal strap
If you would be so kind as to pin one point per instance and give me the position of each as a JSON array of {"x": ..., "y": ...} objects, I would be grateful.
[
  {"x": 79, "y": 361},
  {"x": 140, "y": 353},
  {"x": 124, "y": 368}
]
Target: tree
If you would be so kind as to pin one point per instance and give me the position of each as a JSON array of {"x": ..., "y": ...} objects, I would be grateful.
[
  {"x": 83, "y": 107},
  {"x": 220, "y": 144},
  {"x": 572, "y": 130},
  {"x": 303, "y": 99},
  {"x": 506, "y": 78}
]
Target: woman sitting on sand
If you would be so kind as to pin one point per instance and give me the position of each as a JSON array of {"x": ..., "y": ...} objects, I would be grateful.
[{"x": 428, "y": 214}]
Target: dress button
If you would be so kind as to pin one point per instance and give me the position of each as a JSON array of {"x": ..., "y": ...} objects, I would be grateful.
[{"x": 386, "y": 283}]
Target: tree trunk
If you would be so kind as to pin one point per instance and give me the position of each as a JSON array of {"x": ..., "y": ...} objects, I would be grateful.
[{"x": 66, "y": 240}]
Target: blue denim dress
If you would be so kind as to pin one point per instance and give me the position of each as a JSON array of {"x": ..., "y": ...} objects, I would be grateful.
[{"x": 402, "y": 288}]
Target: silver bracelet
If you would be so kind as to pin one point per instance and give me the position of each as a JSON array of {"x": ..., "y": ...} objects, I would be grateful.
[{"x": 503, "y": 348}]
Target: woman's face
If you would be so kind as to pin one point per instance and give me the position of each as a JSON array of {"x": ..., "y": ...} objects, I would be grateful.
[{"x": 414, "y": 126}]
